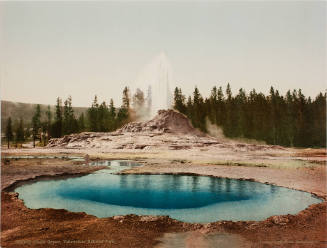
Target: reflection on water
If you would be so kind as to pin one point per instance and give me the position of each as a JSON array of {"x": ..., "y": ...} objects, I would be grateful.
[
  {"x": 116, "y": 163},
  {"x": 187, "y": 198}
]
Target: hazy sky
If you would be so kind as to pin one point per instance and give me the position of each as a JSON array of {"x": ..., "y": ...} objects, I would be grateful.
[{"x": 52, "y": 49}]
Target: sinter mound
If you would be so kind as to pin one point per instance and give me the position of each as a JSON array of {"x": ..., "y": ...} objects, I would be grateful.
[
  {"x": 169, "y": 129},
  {"x": 167, "y": 121}
]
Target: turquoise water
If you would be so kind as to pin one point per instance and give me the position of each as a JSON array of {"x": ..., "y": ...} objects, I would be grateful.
[{"x": 186, "y": 198}]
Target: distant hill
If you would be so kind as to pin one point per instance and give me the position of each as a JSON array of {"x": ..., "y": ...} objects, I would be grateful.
[{"x": 17, "y": 110}]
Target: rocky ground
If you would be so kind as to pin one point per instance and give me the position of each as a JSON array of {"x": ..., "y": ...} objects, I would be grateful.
[{"x": 166, "y": 144}]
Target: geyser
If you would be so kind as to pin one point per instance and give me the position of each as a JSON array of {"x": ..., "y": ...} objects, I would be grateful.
[{"x": 156, "y": 79}]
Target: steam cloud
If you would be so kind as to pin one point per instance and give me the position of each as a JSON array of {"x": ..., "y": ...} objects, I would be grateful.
[{"x": 156, "y": 80}]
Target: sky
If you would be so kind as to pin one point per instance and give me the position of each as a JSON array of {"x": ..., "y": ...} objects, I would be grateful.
[{"x": 57, "y": 49}]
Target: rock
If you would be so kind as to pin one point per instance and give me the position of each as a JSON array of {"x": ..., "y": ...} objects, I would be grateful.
[
  {"x": 13, "y": 195},
  {"x": 139, "y": 146},
  {"x": 177, "y": 147},
  {"x": 149, "y": 218},
  {"x": 280, "y": 220},
  {"x": 118, "y": 217}
]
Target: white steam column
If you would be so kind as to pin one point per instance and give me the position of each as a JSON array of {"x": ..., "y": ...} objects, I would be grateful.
[{"x": 157, "y": 75}]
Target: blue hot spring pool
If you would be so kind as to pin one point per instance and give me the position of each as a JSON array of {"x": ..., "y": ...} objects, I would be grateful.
[{"x": 187, "y": 198}]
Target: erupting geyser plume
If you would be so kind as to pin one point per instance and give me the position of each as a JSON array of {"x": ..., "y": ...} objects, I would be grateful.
[{"x": 156, "y": 80}]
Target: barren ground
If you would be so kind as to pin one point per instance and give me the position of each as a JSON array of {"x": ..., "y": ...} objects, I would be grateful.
[{"x": 299, "y": 169}]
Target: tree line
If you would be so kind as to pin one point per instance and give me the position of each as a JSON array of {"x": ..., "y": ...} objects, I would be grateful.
[
  {"x": 290, "y": 120},
  {"x": 100, "y": 117}
]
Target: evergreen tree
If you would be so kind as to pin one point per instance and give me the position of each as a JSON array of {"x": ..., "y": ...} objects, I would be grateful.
[
  {"x": 198, "y": 111},
  {"x": 300, "y": 119},
  {"x": 228, "y": 125},
  {"x": 196, "y": 108},
  {"x": 81, "y": 123},
  {"x": 66, "y": 119},
  {"x": 70, "y": 124},
  {"x": 20, "y": 133},
  {"x": 273, "y": 110},
  {"x": 126, "y": 98},
  {"x": 123, "y": 114},
  {"x": 57, "y": 127},
  {"x": 36, "y": 123},
  {"x": 318, "y": 121},
  {"x": 220, "y": 108},
  {"x": 241, "y": 125},
  {"x": 9, "y": 133},
  {"x": 48, "y": 123},
  {"x": 112, "y": 115},
  {"x": 103, "y": 118},
  {"x": 179, "y": 101},
  {"x": 289, "y": 121},
  {"x": 212, "y": 105},
  {"x": 122, "y": 117},
  {"x": 92, "y": 114},
  {"x": 189, "y": 108}
]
